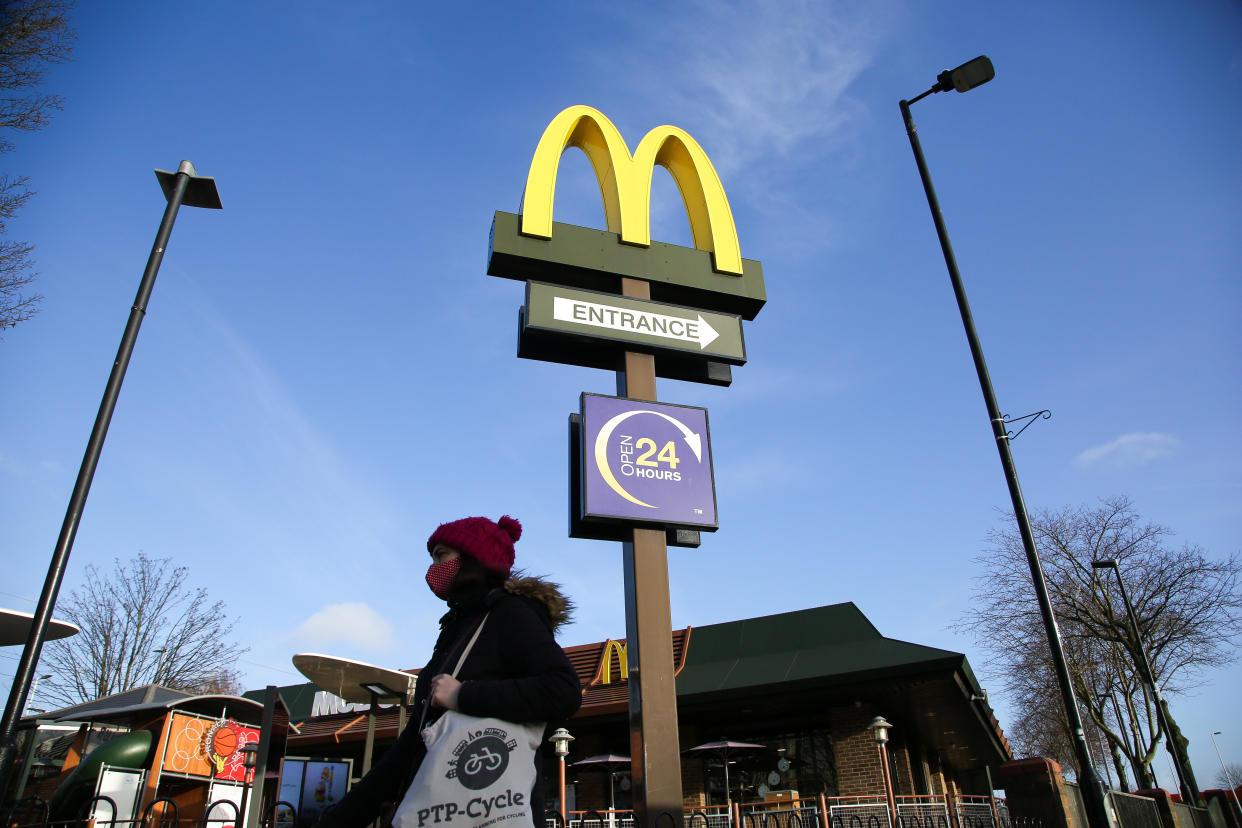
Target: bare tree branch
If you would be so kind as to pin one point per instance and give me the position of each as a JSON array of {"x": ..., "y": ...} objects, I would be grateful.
[
  {"x": 33, "y": 35},
  {"x": 1188, "y": 608},
  {"x": 141, "y": 624}
]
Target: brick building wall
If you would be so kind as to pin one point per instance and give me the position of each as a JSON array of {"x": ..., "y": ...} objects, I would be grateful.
[
  {"x": 857, "y": 757},
  {"x": 904, "y": 778}
]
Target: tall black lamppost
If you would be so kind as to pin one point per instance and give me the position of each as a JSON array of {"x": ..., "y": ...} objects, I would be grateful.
[
  {"x": 249, "y": 754},
  {"x": 1233, "y": 786},
  {"x": 182, "y": 187},
  {"x": 1189, "y": 791},
  {"x": 964, "y": 78}
]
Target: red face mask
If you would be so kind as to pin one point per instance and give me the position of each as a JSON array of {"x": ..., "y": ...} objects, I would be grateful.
[{"x": 440, "y": 576}]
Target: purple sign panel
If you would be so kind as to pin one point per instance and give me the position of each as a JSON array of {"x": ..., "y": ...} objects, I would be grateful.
[{"x": 647, "y": 462}]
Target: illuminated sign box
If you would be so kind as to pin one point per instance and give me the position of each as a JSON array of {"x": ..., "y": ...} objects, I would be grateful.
[{"x": 646, "y": 463}]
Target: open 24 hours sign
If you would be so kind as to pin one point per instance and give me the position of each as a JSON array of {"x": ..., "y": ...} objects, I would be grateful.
[{"x": 646, "y": 462}]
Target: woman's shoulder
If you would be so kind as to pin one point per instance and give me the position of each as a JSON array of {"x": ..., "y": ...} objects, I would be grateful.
[{"x": 523, "y": 596}]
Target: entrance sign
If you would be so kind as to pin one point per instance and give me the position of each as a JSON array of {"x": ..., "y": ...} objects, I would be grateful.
[
  {"x": 625, "y": 182},
  {"x": 633, "y": 322},
  {"x": 646, "y": 462},
  {"x": 663, "y": 326}
]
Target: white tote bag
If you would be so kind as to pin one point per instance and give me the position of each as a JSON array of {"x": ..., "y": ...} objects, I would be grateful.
[{"x": 478, "y": 772}]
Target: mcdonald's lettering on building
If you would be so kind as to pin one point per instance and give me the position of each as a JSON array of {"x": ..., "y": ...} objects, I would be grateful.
[{"x": 712, "y": 275}]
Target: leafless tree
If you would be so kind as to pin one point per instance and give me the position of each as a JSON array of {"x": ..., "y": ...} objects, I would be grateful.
[
  {"x": 141, "y": 624},
  {"x": 1189, "y": 613},
  {"x": 33, "y": 34},
  {"x": 1221, "y": 782}
]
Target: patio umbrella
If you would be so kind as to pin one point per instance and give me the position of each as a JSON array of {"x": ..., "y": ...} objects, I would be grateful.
[
  {"x": 612, "y": 763},
  {"x": 721, "y": 749}
]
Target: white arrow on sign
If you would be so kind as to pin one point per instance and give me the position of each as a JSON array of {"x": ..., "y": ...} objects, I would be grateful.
[{"x": 596, "y": 315}]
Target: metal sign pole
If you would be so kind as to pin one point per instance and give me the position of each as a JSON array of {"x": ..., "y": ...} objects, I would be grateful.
[{"x": 654, "y": 743}]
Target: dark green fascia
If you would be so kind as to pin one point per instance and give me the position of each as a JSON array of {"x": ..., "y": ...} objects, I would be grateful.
[{"x": 582, "y": 257}]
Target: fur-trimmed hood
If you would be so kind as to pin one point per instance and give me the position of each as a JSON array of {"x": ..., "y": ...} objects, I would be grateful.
[{"x": 545, "y": 593}]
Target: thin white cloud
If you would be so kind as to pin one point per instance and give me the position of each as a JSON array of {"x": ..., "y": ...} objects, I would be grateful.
[
  {"x": 283, "y": 441},
  {"x": 352, "y": 623},
  {"x": 766, "y": 88},
  {"x": 1135, "y": 449},
  {"x": 761, "y": 79}
]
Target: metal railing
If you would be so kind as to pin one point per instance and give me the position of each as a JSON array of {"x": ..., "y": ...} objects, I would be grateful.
[
  {"x": 842, "y": 812},
  {"x": 922, "y": 812},
  {"x": 858, "y": 812},
  {"x": 34, "y": 812},
  {"x": 976, "y": 812}
]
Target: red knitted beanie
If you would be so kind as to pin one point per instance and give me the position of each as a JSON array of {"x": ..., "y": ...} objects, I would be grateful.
[{"x": 491, "y": 544}]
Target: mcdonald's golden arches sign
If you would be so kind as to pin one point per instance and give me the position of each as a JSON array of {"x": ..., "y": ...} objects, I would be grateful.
[{"x": 712, "y": 275}]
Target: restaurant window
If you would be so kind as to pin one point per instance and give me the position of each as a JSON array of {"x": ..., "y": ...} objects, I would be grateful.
[{"x": 801, "y": 762}]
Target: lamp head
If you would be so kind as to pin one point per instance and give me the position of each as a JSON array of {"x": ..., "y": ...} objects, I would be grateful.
[
  {"x": 250, "y": 754},
  {"x": 970, "y": 74},
  {"x": 561, "y": 739},
  {"x": 879, "y": 725},
  {"x": 200, "y": 190},
  {"x": 1107, "y": 563}
]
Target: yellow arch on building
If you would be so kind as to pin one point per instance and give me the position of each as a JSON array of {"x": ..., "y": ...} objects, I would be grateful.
[
  {"x": 625, "y": 182},
  {"x": 603, "y": 673}
]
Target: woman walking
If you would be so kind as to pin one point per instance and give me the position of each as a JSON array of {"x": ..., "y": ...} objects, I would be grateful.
[{"x": 514, "y": 670}]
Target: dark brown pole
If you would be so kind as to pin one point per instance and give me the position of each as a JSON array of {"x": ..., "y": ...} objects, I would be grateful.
[
  {"x": 654, "y": 743},
  {"x": 564, "y": 812},
  {"x": 888, "y": 785}
]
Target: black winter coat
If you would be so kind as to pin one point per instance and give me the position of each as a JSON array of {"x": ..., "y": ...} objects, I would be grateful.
[{"x": 516, "y": 671}]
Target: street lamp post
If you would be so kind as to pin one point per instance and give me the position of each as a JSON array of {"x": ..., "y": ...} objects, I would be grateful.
[
  {"x": 1189, "y": 790},
  {"x": 879, "y": 727},
  {"x": 1233, "y": 786},
  {"x": 964, "y": 78},
  {"x": 35, "y": 686},
  {"x": 561, "y": 739},
  {"x": 159, "y": 667},
  {"x": 182, "y": 187},
  {"x": 250, "y": 755}
]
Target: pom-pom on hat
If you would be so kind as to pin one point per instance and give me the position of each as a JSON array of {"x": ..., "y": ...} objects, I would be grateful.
[{"x": 491, "y": 544}]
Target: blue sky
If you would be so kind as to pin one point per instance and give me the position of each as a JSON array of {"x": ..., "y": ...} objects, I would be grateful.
[{"x": 325, "y": 372}]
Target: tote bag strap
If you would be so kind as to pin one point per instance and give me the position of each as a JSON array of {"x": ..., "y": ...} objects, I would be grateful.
[
  {"x": 462, "y": 660},
  {"x": 469, "y": 644}
]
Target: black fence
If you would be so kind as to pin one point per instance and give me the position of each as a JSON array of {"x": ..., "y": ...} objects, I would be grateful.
[{"x": 34, "y": 812}]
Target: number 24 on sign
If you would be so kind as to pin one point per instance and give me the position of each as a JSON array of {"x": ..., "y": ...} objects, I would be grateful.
[{"x": 648, "y": 448}]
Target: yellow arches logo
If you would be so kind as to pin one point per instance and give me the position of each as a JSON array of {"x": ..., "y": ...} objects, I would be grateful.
[
  {"x": 625, "y": 182},
  {"x": 617, "y": 648},
  {"x": 603, "y": 674}
]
